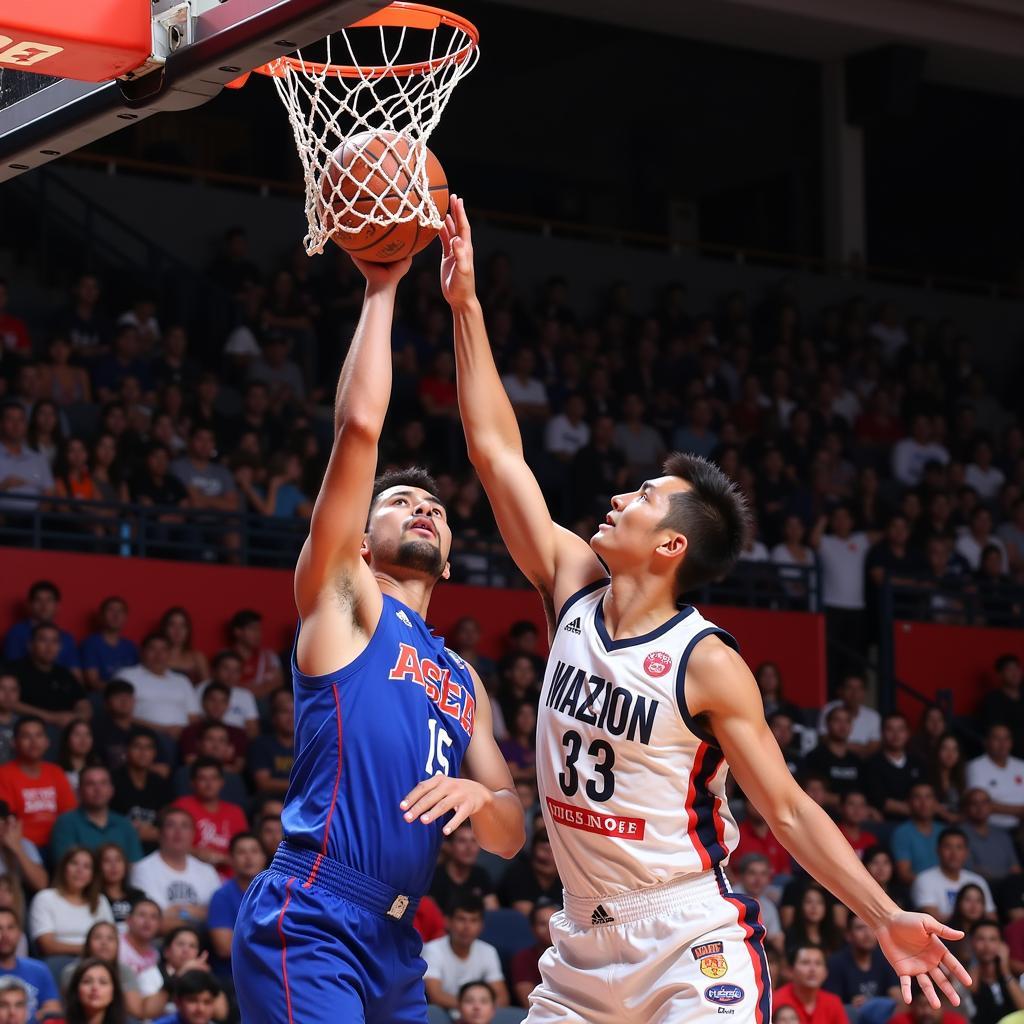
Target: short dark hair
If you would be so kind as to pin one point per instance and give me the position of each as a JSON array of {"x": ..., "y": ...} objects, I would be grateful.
[
  {"x": 413, "y": 476},
  {"x": 116, "y": 687},
  {"x": 244, "y": 617},
  {"x": 152, "y": 638},
  {"x": 713, "y": 515},
  {"x": 467, "y": 903},
  {"x": 142, "y": 900},
  {"x": 891, "y": 716},
  {"x": 238, "y": 837},
  {"x": 834, "y": 710},
  {"x": 195, "y": 983},
  {"x": 43, "y": 586},
  {"x": 27, "y": 720},
  {"x": 221, "y": 657},
  {"x": 43, "y": 627},
  {"x": 983, "y": 923},
  {"x": 210, "y": 725},
  {"x": 843, "y": 797},
  {"x": 143, "y": 732},
  {"x": 1005, "y": 660},
  {"x": 951, "y": 833},
  {"x": 521, "y": 628},
  {"x": 800, "y": 947},
  {"x": 215, "y": 687},
  {"x": 543, "y": 903},
  {"x": 463, "y": 989},
  {"x": 205, "y": 762}
]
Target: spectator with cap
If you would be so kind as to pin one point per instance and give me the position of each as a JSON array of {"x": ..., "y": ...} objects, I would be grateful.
[
  {"x": 139, "y": 792},
  {"x": 991, "y": 852},
  {"x": 93, "y": 823},
  {"x": 805, "y": 992},
  {"x": 165, "y": 700},
  {"x": 1000, "y": 775},
  {"x": 271, "y": 756},
  {"x": 261, "y": 667},
  {"x": 33, "y": 976},
  {"x": 107, "y": 651},
  {"x": 247, "y": 860},
  {"x": 1005, "y": 704},
  {"x": 216, "y": 820},
  {"x": 241, "y": 711},
  {"x": 935, "y": 889},
  {"x": 48, "y": 689},
  {"x": 36, "y": 791},
  {"x": 43, "y": 604},
  {"x": 25, "y": 475}
]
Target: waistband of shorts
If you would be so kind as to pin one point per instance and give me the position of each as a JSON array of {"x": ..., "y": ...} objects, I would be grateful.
[
  {"x": 314, "y": 868},
  {"x": 641, "y": 904}
]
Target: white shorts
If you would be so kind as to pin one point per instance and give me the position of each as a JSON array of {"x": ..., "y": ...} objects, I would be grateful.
[{"x": 690, "y": 950}]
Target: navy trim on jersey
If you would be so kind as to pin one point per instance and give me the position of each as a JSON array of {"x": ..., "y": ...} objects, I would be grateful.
[
  {"x": 635, "y": 641},
  {"x": 691, "y": 723},
  {"x": 582, "y": 592},
  {"x": 328, "y": 678},
  {"x": 705, "y": 803}
]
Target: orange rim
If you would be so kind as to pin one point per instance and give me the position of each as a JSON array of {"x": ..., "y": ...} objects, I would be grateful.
[{"x": 399, "y": 14}]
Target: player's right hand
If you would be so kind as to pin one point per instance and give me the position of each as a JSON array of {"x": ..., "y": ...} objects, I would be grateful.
[
  {"x": 383, "y": 275},
  {"x": 912, "y": 943},
  {"x": 458, "y": 280}
]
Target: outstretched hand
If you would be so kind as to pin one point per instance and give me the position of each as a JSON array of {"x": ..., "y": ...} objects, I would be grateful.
[
  {"x": 383, "y": 275},
  {"x": 458, "y": 281},
  {"x": 912, "y": 943}
]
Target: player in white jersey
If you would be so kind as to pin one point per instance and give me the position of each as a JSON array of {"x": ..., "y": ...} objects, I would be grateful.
[{"x": 646, "y": 706}]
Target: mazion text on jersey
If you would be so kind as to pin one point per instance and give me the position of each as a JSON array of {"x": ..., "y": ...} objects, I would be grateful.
[{"x": 601, "y": 702}]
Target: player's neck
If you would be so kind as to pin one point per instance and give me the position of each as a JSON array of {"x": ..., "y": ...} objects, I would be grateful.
[
  {"x": 634, "y": 606},
  {"x": 413, "y": 593}
]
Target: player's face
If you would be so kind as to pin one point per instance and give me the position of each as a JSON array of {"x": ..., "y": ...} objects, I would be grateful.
[
  {"x": 408, "y": 530},
  {"x": 197, "y": 1009},
  {"x": 632, "y": 533}
]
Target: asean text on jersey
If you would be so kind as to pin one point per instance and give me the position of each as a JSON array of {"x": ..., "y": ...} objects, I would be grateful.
[{"x": 327, "y": 931}]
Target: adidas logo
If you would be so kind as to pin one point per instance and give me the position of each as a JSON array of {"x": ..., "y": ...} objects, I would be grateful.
[
  {"x": 600, "y": 915},
  {"x": 402, "y": 617},
  {"x": 573, "y": 627}
]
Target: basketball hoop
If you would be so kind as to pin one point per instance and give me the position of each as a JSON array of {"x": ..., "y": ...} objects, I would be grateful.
[{"x": 397, "y": 72}]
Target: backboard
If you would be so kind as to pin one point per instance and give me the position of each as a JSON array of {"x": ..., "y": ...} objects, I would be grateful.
[{"x": 42, "y": 118}]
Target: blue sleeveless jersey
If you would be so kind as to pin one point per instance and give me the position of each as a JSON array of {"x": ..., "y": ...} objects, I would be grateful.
[{"x": 365, "y": 735}]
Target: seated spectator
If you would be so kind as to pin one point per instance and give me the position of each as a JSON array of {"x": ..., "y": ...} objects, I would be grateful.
[
  {"x": 567, "y": 432},
  {"x": 176, "y": 628},
  {"x": 520, "y": 682},
  {"x": 861, "y": 976},
  {"x": 994, "y": 991},
  {"x": 922, "y": 1012},
  {"x": 812, "y": 923},
  {"x": 247, "y": 860},
  {"x": 519, "y": 750},
  {"x": 755, "y": 877},
  {"x": 241, "y": 712},
  {"x": 458, "y": 875},
  {"x": 261, "y": 667},
  {"x": 853, "y": 812},
  {"x": 42, "y": 997},
  {"x": 164, "y": 700},
  {"x": 112, "y": 726},
  {"x": 524, "y": 972},
  {"x": 1001, "y": 776},
  {"x": 947, "y": 771},
  {"x": 881, "y": 866},
  {"x": 271, "y": 756},
  {"x": 94, "y": 994},
  {"x": 972, "y": 542},
  {"x": 805, "y": 993},
  {"x": 968, "y": 910},
  {"x": 93, "y": 823},
  {"x": 198, "y": 999},
  {"x": 59, "y": 918},
  {"x": 180, "y": 884},
  {"x": 25, "y": 475},
  {"x": 784, "y": 730},
  {"x": 14, "y": 336},
  {"x": 935, "y": 889},
  {"x": 10, "y": 698},
  {"x": 103, "y": 943},
  {"x": 138, "y": 951},
  {"x": 891, "y": 772},
  {"x": 43, "y": 604},
  {"x": 281, "y": 375},
  {"x": 210, "y": 485},
  {"x": 913, "y": 453},
  {"x": 270, "y": 833},
  {"x": 107, "y": 651},
  {"x": 47, "y": 689},
  {"x": 832, "y": 758},
  {"x": 866, "y": 723},
  {"x": 216, "y": 820},
  {"x": 756, "y": 837},
  {"x": 461, "y": 957},
  {"x": 139, "y": 792},
  {"x": 931, "y": 727},
  {"x": 991, "y": 852},
  {"x": 154, "y": 484},
  {"x": 477, "y": 1003},
  {"x": 527, "y": 881},
  {"x": 20, "y": 859},
  {"x": 214, "y": 745},
  {"x": 76, "y": 752},
  {"x": 114, "y": 868},
  {"x": 182, "y": 956},
  {"x": 915, "y": 841},
  {"x": 214, "y": 703},
  {"x": 35, "y": 790},
  {"x": 14, "y": 1000},
  {"x": 124, "y": 361}
]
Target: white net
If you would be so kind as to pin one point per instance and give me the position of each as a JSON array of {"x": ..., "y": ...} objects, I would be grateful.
[{"x": 361, "y": 120}]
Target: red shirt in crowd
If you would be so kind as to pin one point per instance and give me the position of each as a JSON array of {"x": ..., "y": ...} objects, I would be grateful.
[
  {"x": 1014, "y": 936},
  {"x": 828, "y": 1008},
  {"x": 14, "y": 334},
  {"x": 429, "y": 921},
  {"x": 864, "y": 841},
  {"x": 214, "y": 830},
  {"x": 767, "y": 845},
  {"x": 524, "y": 966},
  {"x": 36, "y": 802}
]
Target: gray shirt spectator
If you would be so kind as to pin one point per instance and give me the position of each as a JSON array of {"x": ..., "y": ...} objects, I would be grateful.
[
  {"x": 24, "y": 474},
  {"x": 209, "y": 484},
  {"x": 990, "y": 849}
]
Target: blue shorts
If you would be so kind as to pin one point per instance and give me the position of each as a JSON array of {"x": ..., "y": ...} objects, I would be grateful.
[{"x": 303, "y": 953}]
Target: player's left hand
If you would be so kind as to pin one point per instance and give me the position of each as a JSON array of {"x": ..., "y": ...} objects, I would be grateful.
[
  {"x": 441, "y": 794},
  {"x": 912, "y": 943}
]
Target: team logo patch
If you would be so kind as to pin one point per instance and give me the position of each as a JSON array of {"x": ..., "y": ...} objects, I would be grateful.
[
  {"x": 724, "y": 995},
  {"x": 657, "y": 664},
  {"x": 402, "y": 617},
  {"x": 714, "y": 966},
  {"x": 704, "y": 949}
]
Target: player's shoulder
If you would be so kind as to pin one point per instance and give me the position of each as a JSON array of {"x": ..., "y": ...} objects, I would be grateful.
[{"x": 714, "y": 652}]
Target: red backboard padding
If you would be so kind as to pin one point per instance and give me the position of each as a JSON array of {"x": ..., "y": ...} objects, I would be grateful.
[{"x": 91, "y": 40}]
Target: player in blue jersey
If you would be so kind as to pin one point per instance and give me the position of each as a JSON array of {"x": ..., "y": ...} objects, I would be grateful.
[{"x": 393, "y": 739}]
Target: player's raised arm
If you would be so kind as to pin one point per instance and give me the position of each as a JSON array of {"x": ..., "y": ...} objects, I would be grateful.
[
  {"x": 555, "y": 561},
  {"x": 721, "y": 690},
  {"x": 330, "y": 562}
]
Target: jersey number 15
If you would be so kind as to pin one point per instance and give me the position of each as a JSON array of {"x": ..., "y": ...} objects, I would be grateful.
[{"x": 439, "y": 742}]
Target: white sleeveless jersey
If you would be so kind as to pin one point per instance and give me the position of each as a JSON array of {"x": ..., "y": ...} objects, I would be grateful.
[{"x": 632, "y": 788}]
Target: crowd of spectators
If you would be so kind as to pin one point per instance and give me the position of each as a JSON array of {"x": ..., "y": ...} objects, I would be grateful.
[{"x": 141, "y": 791}]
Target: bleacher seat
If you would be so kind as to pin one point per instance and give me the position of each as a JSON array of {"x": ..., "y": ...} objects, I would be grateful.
[
  {"x": 435, "y": 1015},
  {"x": 508, "y": 931},
  {"x": 510, "y": 1015}
]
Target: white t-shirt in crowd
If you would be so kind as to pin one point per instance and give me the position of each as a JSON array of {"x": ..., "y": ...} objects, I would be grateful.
[
  {"x": 563, "y": 437},
  {"x": 842, "y": 570},
  {"x": 756, "y": 552},
  {"x": 532, "y": 392},
  {"x": 51, "y": 914},
  {"x": 168, "y": 888},
  {"x": 164, "y": 700},
  {"x": 1004, "y": 785},
  {"x": 909, "y": 458},
  {"x": 969, "y": 549},
  {"x": 987, "y": 482},
  {"x": 932, "y": 888},
  {"x": 241, "y": 705},
  {"x": 482, "y": 964},
  {"x": 865, "y": 728}
]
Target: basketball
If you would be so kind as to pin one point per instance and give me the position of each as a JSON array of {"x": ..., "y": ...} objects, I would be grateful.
[{"x": 379, "y": 168}]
